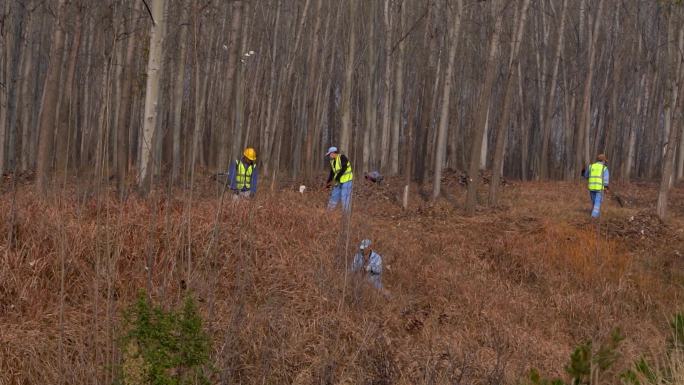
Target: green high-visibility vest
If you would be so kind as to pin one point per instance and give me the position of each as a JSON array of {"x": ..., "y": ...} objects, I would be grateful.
[
  {"x": 243, "y": 175},
  {"x": 336, "y": 165},
  {"x": 596, "y": 176}
]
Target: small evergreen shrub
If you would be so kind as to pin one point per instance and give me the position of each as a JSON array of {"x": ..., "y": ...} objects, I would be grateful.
[{"x": 163, "y": 347}]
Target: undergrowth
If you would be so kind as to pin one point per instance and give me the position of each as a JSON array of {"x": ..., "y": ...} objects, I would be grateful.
[
  {"x": 591, "y": 365},
  {"x": 471, "y": 300}
]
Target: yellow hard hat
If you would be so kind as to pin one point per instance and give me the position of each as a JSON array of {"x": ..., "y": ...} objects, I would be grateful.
[{"x": 249, "y": 153}]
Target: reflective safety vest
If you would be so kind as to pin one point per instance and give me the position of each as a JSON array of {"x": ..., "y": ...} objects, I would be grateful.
[
  {"x": 596, "y": 176},
  {"x": 243, "y": 175},
  {"x": 336, "y": 165}
]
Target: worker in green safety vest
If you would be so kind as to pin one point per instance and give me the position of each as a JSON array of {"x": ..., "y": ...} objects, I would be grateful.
[
  {"x": 243, "y": 174},
  {"x": 597, "y": 176}
]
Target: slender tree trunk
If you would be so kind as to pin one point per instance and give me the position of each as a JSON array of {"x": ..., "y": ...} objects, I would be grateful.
[
  {"x": 481, "y": 114},
  {"x": 5, "y": 74},
  {"x": 551, "y": 100},
  {"x": 385, "y": 138},
  {"x": 228, "y": 127},
  {"x": 346, "y": 129},
  {"x": 122, "y": 145},
  {"x": 312, "y": 86},
  {"x": 506, "y": 110},
  {"x": 48, "y": 108},
  {"x": 271, "y": 109},
  {"x": 583, "y": 155},
  {"x": 675, "y": 74},
  {"x": 63, "y": 127},
  {"x": 398, "y": 92},
  {"x": 370, "y": 131},
  {"x": 24, "y": 109},
  {"x": 411, "y": 129},
  {"x": 178, "y": 92},
  {"x": 524, "y": 129},
  {"x": 440, "y": 151},
  {"x": 152, "y": 94}
]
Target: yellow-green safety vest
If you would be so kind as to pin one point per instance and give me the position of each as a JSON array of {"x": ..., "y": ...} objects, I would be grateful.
[
  {"x": 243, "y": 176},
  {"x": 596, "y": 176},
  {"x": 336, "y": 165}
]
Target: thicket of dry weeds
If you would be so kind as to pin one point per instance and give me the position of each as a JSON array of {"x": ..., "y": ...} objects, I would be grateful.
[{"x": 471, "y": 300}]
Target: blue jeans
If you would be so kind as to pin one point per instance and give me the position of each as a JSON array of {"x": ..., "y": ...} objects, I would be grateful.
[
  {"x": 596, "y": 199},
  {"x": 341, "y": 192}
]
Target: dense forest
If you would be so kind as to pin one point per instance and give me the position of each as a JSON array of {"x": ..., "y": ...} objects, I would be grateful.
[{"x": 133, "y": 90}]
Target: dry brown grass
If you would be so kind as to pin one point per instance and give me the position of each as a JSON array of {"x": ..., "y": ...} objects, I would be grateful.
[{"x": 471, "y": 300}]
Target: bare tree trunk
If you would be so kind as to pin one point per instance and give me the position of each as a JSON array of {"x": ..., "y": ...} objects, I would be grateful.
[
  {"x": 5, "y": 75},
  {"x": 440, "y": 151},
  {"x": 346, "y": 129},
  {"x": 583, "y": 155},
  {"x": 272, "y": 108},
  {"x": 63, "y": 126},
  {"x": 48, "y": 108},
  {"x": 398, "y": 92},
  {"x": 675, "y": 71},
  {"x": 481, "y": 114},
  {"x": 233, "y": 49},
  {"x": 152, "y": 94},
  {"x": 239, "y": 92},
  {"x": 411, "y": 129},
  {"x": 506, "y": 110},
  {"x": 122, "y": 146},
  {"x": 680, "y": 159},
  {"x": 551, "y": 100},
  {"x": 385, "y": 138},
  {"x": 313, "y": 85},
  {"x": 24, "y": 110},
  {"x": 370, "y": 131},
  {"x": 178, "y": 92}
]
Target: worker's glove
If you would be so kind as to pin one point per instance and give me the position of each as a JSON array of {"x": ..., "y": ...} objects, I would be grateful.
[
  {"x": 368, "y": 268},
  {"x": 606, "y": 187}
]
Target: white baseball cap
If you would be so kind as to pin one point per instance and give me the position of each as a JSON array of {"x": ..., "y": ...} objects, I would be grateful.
[{"x": 331, "y": 150}]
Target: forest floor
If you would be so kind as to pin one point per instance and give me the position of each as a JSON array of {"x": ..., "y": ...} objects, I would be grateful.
[{"x": 473, "y": 300}]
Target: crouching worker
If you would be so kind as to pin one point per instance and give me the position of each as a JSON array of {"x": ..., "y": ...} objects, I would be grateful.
[
  {"x": 243, "y": 174},
  {"x": 598, "y": 177},
  {"x": 372, "y": 261},
  {"x": 374, "y": 176}
]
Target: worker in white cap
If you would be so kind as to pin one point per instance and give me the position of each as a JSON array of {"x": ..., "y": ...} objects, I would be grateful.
[
  {"x": 340, "y": 179},
  {"x": 373, "y": 262}
]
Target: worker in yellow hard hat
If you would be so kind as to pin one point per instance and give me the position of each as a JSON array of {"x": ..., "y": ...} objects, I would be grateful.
[{"x": 243, "y": 174}]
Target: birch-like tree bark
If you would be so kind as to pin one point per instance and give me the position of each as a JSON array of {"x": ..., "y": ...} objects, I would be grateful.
[{"x": 152, "y": 94}]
